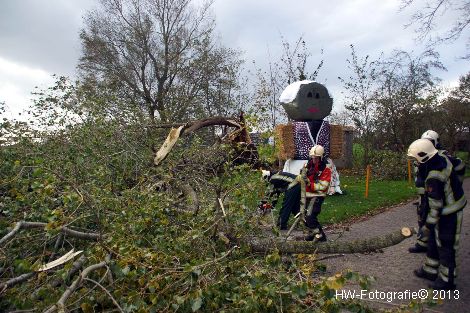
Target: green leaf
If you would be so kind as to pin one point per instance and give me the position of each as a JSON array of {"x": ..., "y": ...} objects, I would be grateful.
[{"x": 197, "y": 303}]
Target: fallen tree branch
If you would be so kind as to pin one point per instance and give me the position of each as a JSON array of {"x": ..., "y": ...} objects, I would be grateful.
[
  {"x": 106, "y": 291},
  {"x": 15, "y": 281},
  {"x": 22, "y": 278},
  {"x": 306, "y": 247},
  {"x": 60, "y": 305},
  {"x": 58, "y": 244},
  {"x": 65, "y": 230},
  {"x": 182, "y": 130}
]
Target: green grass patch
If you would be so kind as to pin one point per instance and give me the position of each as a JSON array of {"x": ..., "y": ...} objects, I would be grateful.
[{"x": 339, "y": 208}]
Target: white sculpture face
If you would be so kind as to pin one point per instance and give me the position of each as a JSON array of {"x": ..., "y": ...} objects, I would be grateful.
[{"x": 306, "y": 100}]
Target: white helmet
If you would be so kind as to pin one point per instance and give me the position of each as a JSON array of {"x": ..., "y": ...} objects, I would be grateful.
[
  {"x": 422, "y": 150},
  {"x": 317, "y": 151},
  {"x": 265, "y": 174},
  {"x": 432, "y": 136}
]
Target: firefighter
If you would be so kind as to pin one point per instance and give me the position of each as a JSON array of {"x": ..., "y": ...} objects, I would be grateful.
[
  {"x": 423, "y": 206},
  {"x": 281, "y": 182},
  {"x": 444, "y": 219},
  {"x": 319, "y": 178},
  {"x": 458, "y": 164}
]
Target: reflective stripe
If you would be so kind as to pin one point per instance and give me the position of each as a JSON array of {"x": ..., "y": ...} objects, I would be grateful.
[
  {"x": 315, "y": 194},
  {"x": 431, "y": 220},
  {"x": 282, "y": 177},
  {"x": 321, "y": 185},
  {"x": 434, "y": 213},
  {"x": 459, "y": 167},
  {"x": 448, "y": 193},
  {"x": 310, "y": 206},
  {"x": 443, "y": 277},
  {"x": 423, "y": 242},
  {"x": 435, "y": 204},
  {"x": 455, "y": 206},
  {"x": 431, "y": 262},
  {"x": 429, "y": 269},
  {"x": 420, "y": 190},
  {"x": 437, "y": 175},
  {"x": 295, "y": 182},
  {"x": 444, "y": 270},
  {"x": 458, "y": 230}
]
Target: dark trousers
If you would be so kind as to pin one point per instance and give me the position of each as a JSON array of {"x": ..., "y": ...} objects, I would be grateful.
[
  {"x": 311, "y": 216},
  {"x": 442, "y": 246},
  {"x": 422, "y": 211},
  {"x": 291, "y": 204}
]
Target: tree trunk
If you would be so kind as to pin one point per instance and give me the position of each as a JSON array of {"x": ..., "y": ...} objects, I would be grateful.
[{"x": 307, "y": 247}]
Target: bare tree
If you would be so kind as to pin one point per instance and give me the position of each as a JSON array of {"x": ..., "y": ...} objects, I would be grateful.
[
  {"x": 407, "y": 90},
  {"x": 360, "y": 95},
  {"x": 427, "y": 20},
  {"x": 342, "y": 118},
  {"x": 456, "y": 110},
  {"x": 149, "y": 48},
  {"x": 291, "y": 66}
]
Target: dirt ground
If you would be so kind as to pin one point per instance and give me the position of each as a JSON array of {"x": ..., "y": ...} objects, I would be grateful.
[{"x": 393, "y": 267}]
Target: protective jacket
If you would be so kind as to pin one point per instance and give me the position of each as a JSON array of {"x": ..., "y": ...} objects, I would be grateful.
[
  {"x": 444, "y": 220},
  {"x": 442, "y": 187},
  {"x": 319, "y": 177},
  {"x": 457, "y": 164}
]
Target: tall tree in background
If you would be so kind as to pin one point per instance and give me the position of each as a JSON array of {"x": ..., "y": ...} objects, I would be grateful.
[
  {"x": 291, "y": 66},
  {"x": 360, "y": 93},
  {"x": 456, "y": 111},
  {"x": 407, "y": 91},
  {"x": 160, "y": 53},
  {"x": 427, "y": 20}
]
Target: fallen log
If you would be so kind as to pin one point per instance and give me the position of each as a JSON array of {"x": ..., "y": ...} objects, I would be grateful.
[{"x": 308, "y": 247}]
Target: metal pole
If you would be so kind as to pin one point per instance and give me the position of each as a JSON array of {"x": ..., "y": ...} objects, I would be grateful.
[{"x": 367, "y": 181}]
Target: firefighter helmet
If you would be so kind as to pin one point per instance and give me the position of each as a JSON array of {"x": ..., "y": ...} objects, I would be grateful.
[
  {"x": 432, "y": 136},
  {"x": 317, "y": 151},
  {"x": 422, "y": 150}
]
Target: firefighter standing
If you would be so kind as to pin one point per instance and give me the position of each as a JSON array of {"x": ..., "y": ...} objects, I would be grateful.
[
  {"x": 444, "y": 219},
  {"x": 319, "y": 178},
  {"x": 423, "y": 207}
]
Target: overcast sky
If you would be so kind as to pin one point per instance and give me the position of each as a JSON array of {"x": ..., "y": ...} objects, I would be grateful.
[{"x": 39, "y": 38}]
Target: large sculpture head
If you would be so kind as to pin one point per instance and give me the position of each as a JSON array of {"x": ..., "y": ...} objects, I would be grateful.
[{"x": 306, "y": 100}]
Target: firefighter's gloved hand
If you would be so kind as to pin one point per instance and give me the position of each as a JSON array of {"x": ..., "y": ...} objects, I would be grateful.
[
  {"x": 264, "y": 206},
  {"x": 265, "y": 174}
]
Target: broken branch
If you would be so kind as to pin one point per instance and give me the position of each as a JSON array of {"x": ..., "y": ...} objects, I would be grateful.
[
  {"x": 15, "y": 281},
  {"x": 65, "y": 230},
  {"x": 176, "y": 133},
  {"x": 60, "y": 305}
]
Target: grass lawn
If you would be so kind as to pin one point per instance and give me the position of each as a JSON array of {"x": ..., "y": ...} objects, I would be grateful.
[{"x": 382, "y": 194}]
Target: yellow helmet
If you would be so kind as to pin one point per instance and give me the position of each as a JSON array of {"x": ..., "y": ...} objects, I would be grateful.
[{"x": 422, "y": 150}]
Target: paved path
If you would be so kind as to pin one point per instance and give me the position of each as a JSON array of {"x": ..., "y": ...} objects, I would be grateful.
[{"x": 393, "y": 268}]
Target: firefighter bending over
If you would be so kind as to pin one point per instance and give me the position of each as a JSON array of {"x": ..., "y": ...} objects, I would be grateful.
[{"x": 444, "y": 220}]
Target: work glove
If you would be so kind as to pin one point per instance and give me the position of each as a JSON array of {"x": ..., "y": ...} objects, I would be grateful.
[
  {"x": 265, "y": 174},
  {"x": 264, "y": 206}
]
